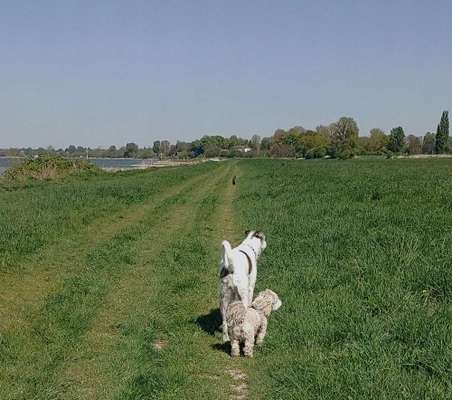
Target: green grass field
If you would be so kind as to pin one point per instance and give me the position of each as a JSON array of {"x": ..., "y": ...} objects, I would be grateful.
[{"x": 108, "y": 283}]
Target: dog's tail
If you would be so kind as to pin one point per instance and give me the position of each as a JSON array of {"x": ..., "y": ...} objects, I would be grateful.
[
  {"x": 227, "y": 256},
  {"x": 236, "y": 314}
]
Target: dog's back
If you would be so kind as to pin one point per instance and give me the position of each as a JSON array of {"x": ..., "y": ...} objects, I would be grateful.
[
  {"x": 242, "y": 321},
  {"x": 236, "y": 313}
]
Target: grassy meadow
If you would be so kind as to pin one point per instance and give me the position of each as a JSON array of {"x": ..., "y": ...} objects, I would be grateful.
[{"x": 108, "y": 282}]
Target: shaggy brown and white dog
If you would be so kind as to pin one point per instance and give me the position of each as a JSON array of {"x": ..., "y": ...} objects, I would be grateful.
[
  {"x": 238, "y": 271},
  {"x": 249, "y": 324}
]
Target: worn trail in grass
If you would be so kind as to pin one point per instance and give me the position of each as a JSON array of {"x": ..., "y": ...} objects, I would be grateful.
[
  {"x": 103, "y": 362},
  {"x": 56, "y": 326},
  {"x": 38, "y": 274}
]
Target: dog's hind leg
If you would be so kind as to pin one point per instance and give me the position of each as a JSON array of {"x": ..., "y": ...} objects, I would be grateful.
[
  {"x": 262, "y": 332},
  {"x": 225, "y": 332},
  {"x": 248, "y": 348},
  {"x": 235, "y": 348},
  {"x": 250, "y": 294},
  {"x": 224, "y": 326}
]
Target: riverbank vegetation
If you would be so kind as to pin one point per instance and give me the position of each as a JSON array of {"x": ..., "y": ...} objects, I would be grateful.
[
  {"x": 48, "y": 166},
  {"x": 337, "y": 140}
]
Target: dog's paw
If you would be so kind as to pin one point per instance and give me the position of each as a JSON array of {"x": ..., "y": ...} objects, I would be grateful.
[{"x": 259, "y": 342}]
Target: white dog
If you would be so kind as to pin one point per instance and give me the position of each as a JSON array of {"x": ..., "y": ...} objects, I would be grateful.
[
  {"x": 238, "y": 271},
  {"x": 249, "y": 324}
]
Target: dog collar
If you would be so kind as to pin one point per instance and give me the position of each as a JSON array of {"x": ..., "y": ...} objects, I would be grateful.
[
  {"x": 254, "y": 251},
  {"x": 250, "y": 263}
]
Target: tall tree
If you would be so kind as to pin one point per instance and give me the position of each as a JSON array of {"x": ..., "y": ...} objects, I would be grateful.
[
  {"x": 442, "y": 134},
  {"x": 165, "y": 147},
  {"x": 428, "y": 143},
  {"x": 282, "y": 150},
  {"x": 396, "y": 140},
  {"x": 324, "y": 130},
  {"x": 377, "y": 141},
  {"x": 344, "y": 138},
  {"x": 156, "y": 147},
  {"x": 255, "y": 143},
  {"x": 414, "y": 144},
  {"x": 265, "y": 144},
  {"x": 172, "y": 150},
  {"x": 111, "y": 152},
  {"x": 196, "y": 148},
  {"x": 297, "y": 130},
  {"x": 278, "y": 135},
  {"x": 312, "y": 145},
  {"x": 233, "y": 141},
  {"x": 182, "y": 146},
  {"x": 131, "y": 150}
]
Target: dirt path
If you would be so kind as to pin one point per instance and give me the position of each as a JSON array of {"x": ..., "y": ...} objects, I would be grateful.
[
  {"x": 92, "y": 373},
  {"x": 44, "y": 272},
  {"x": 128, "y": 308},
  {"x": 46, "y": 308},
  {"x": 238, "y": 385}
]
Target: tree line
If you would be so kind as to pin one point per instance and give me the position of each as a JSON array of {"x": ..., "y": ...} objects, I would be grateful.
[{"x": 337, "y": 140}]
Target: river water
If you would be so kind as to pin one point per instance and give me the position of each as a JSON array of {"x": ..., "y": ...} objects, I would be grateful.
[
  {"x": 105, "y": 163},
  {"x": 4, "y": 164}
]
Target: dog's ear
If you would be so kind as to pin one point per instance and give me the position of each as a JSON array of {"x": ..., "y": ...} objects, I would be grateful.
[
  {"x": 259, "y": 235},
  {"x": 247, "y": 232},
  {"x": 263, "y": 302}
]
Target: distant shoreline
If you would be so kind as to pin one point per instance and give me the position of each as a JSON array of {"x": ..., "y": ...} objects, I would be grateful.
[
  {"x": 92, "y": 158},
  {"x": 110, "y": 164}
]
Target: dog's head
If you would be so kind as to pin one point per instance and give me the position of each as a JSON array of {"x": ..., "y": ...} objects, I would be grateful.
[
  {"x": 258, "y": 239},
  {"x": 266, "y": 301}
]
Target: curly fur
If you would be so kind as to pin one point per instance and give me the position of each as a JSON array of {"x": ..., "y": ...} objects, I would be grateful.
[
  {"x": 266, "y": 301},
  {"x": 236, "y": 313},
  {"x": 248, "y": 325}
]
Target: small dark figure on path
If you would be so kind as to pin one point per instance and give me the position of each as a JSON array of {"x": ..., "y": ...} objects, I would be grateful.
[{"x": 233, "y": 180}]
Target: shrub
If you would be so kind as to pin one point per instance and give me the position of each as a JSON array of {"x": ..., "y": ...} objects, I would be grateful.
[
  {"x": 388, "y": 153},
  {"x": 316, "y": 152},
  {"x": 48, "y": 167}
]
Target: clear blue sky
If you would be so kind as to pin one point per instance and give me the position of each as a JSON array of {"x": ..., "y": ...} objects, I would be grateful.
[{"x": 107, "y": 72}]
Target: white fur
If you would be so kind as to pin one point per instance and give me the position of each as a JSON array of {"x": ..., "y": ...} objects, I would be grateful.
[{"x": 239, "y": 284}]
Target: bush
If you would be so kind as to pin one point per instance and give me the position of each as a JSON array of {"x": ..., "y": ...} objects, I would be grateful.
[
  {"x": 316, "y": 152},
  {"x": 345, "y": 154},
  {"x": 388, "y": 153},
  {"x": 48, "y": 167}
]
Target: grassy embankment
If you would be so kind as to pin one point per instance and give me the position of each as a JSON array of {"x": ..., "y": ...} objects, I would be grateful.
[
  {"x": 361, "y": 253},
  {"x": 109, "y": 282}
]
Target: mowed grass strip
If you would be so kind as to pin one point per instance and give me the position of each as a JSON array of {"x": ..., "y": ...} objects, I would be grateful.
[
  {"x": 176, "y": 353},
  {"x": 37, "y": 274},
  {"x": 360, "y": 253},
  {"x": 103, "y": 361},
  {"x": 29, "y": 357},
  {"x": 35, "y": 214}
]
